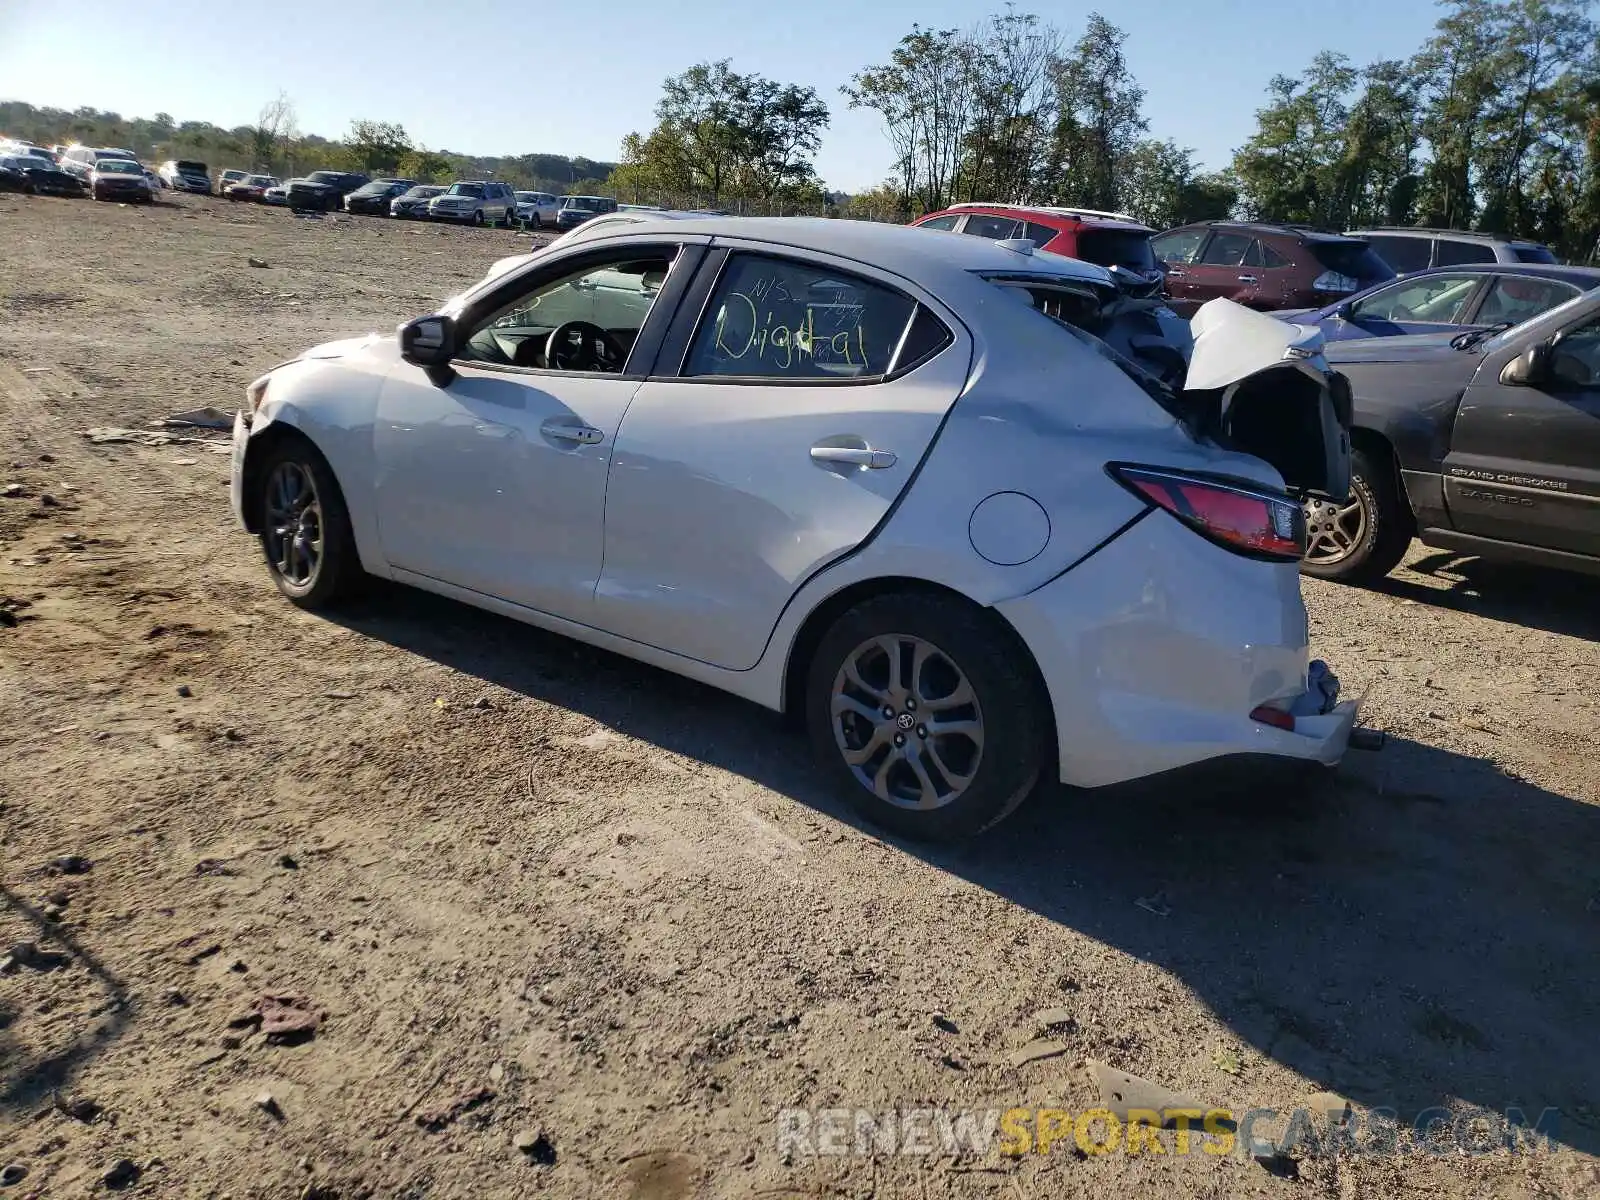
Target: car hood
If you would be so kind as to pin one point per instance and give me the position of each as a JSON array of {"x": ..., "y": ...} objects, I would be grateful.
[
  {"x": 1410, "y": 347},
  {"x": 344, "y": 347}
]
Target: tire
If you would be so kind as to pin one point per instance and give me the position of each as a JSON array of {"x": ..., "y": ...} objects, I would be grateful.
[
  {"x": 1001, "y": 763},
  {"x": 537, "y": 224},
  {"x": 477, "y": 217},
  {"x": 336, "y": 574},
  {"x": 1382, "y": 532}
]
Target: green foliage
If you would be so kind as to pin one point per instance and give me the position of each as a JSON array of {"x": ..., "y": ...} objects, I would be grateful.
[
  {"x": 1009, "y": 111},
  {"x": 720, "y": 134},
  {"x": 1494, "y": 124}
]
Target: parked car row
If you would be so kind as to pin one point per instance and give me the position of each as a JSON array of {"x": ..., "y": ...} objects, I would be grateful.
[{"x": 1474, "y": 373}]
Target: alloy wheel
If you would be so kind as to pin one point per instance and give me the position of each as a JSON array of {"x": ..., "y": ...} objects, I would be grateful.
[
  {"x": 907, "y": 721},
  {"x": 1333, "y": 531},
  {"x": 294, "y": 528}
]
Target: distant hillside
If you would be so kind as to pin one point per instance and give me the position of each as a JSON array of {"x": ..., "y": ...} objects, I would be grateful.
[{"x": 275, "y": 146}]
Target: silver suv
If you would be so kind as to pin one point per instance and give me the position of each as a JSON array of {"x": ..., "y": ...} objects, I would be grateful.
[
  {"x": 476, "y": 202},
  {"x": 1409, "y": 248}
]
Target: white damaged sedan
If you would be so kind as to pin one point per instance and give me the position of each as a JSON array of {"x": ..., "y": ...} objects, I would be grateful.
[{"x": 887, "y": 480}]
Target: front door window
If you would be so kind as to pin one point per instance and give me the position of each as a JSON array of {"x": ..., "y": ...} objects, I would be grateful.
[{"x": 585, "y": 321}]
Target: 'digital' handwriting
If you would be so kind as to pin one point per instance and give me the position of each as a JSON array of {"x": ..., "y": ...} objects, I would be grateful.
[{"x": 771, "y": 340}]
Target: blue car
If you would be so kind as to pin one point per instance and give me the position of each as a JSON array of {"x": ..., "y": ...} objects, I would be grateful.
[{"x": 1449, "y": 300}]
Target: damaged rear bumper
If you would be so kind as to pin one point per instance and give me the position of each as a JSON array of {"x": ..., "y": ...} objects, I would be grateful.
[{"x": 1161, "y": 652}]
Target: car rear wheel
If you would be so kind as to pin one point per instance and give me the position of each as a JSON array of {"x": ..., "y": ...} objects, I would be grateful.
[
  {"x": 304, "y": 526},
  {"x": 1364, "y": 538},
  {"x": 926, "y": 715}
]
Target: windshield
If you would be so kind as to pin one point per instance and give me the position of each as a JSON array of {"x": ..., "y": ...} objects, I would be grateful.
[
  {"x": 262, "y": 181},
  {"x": 323, "y": 177},
  {"x": 191, "y": 167},
  {"x": 586, "y": 203},
  {"x": 475, "y": 190},
  {"x": 1116, "y": 248},
  {"x": 119, "y": 166},
  {"x": 1355, "y": 259},
  {"x": 422, "y": 193},
  {"x": 1531, "y": 253},
  {"x": 528, "y": 197}
]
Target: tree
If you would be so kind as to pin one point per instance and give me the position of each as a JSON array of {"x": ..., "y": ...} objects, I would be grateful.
[
  {"x": 377, "y": 145},
  {"x": 425, "y": 166},
  {"x": 925, "y": 95},
  {"x": 274, "y": 127},
  {"x": 1099, "y": 119},
  {"x": 720, "y": 133}
]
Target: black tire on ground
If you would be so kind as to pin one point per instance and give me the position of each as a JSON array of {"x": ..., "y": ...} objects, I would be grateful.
[
  {"x": 1386, "y": 533},
  {"x": 1012, "y": 713},
  {"x": 536, "y": 222},
  {"x": 337, "y": 574},
  {"x": 477, "y": 217}
]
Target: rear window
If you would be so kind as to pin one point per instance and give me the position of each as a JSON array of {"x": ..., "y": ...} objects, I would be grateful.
[
  {"x": 1529, "y": 252},
  {"x": 1116, "y": 248},
  {"x": 1355, "y": 259}
]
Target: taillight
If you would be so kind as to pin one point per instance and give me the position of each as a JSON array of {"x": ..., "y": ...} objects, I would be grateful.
[{"x": 1235, "y": 514}]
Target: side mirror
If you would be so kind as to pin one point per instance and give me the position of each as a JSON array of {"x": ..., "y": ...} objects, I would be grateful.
[
  {"x": 430, "y": 343},
  {"x": 1345, "y": 311},
  {"x": 1530, "y": 368}
]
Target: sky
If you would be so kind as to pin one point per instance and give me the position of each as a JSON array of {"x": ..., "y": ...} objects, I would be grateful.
[{"x": 520, "y": 79}]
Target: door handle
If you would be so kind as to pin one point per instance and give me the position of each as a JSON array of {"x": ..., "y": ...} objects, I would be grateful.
[
  {"x": 863, "y": 456},
  {"x": 1175, "y": 275},
  {"x": 584, "y": 435},
  {"x": 1247, "y": 279}
]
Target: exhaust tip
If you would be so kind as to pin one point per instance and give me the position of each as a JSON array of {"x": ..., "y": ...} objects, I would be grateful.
[{"x": 1368, "y": 739}]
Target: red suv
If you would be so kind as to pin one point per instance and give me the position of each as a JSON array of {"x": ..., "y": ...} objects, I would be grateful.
[
  {"x": 1264, "y": 266},
  {"x": 1106, "y": 239}
]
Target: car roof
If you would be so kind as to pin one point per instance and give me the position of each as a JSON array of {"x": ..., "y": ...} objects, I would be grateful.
[
  {"x": 1587, "y": 276},
  {"x": 904, "y": 249}
]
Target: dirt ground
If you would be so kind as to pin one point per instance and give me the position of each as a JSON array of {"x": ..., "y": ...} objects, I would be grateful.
[{"x": 619, "y": 902}]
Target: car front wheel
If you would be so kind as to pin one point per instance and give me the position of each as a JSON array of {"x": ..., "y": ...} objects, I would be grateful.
[
  {"x": 927, "y": 715},
  {"x": 304, "y": 527},
  {"x": 1364, "y": 538}
]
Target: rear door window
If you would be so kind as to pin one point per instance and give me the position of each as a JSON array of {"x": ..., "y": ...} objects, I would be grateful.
[
  {"x": 783, "y": 320},
  {"x": 1513, "y": 299},
  {"x": 1227, "y": 249},
  {"x": 998, "y": 228},
  {"x": 1042, "y": 235},
  {"x": 1452, "y": 253},
  {"x": 948, "y": 221}
]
